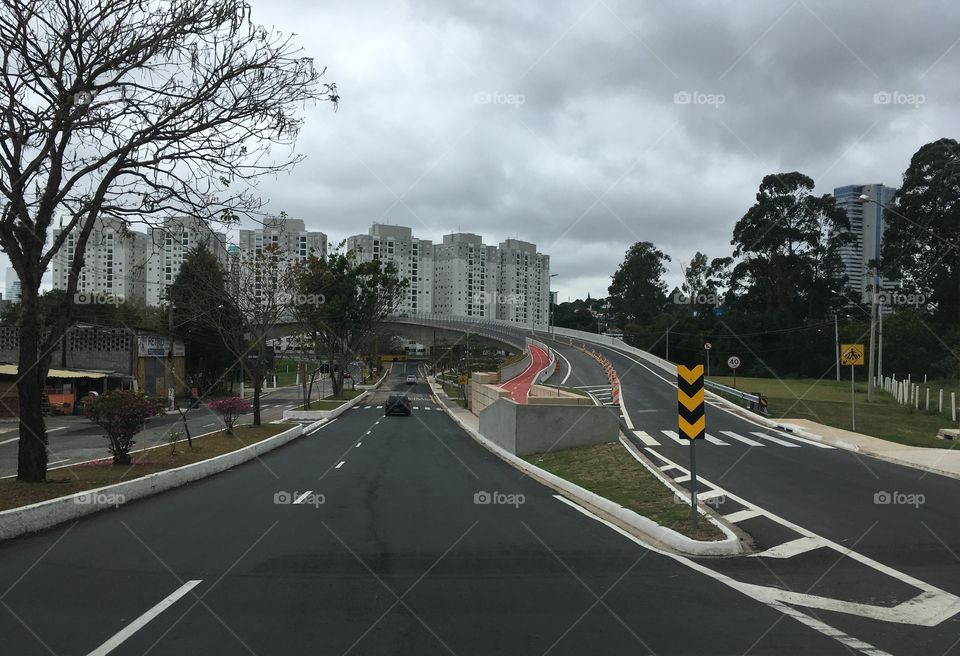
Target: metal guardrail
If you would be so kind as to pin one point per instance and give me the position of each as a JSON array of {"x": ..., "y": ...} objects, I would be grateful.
[{"x": 757, "y": 401}]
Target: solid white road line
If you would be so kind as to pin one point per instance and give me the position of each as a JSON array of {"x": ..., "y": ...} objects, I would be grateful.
[
  {"x": 742, "y": 515},
  {"x": 50, "y": 430},
  {"x": 741, "y": 438},
  {"x": 342, "y": 462},
  {"x": 645, "y": 438},
  {"x": 209, "y": 425},
  {"x": 143, "y": 620},
  {"x": 12, "y": 439},
  {"x": 775, "y": 440},
  {"x": 303, "y": 496},
  {"x": 57, "y": 462},
  {"x": 759, "y": 593},
  {"x": 683, "y": 478},
  {"x": 569, "y": 367}
]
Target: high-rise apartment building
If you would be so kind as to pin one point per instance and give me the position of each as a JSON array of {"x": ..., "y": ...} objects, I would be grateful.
[
  {"x": 289, "y": 236},
  {"x": 169, "y": 244},
  {"x": 412, "y": 257},
  {"x": 523, "y": 283},
  {"x": 114, "y": 263},
  {"x": 12, "y": 292},
  {"x": 867, "y": 225},
  {"x": 465, "y": 277}
]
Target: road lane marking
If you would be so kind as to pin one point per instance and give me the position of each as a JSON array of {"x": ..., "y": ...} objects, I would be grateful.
[
  {"x": 143, "y": 620},
  {"x": 7, "y": 430},
  {"x": 715, "y": 440},
  {"x": 791, "y": 548},
  {"x": 359, "y": 444},
  {"x": 741, "y": 438},
  {"x": 342, "y": 462},
  {"x": 645, "y": 438},
  {"x": 12, "y": 439},
  {"x": 761, "y": 594},
  {"x": 742, "y": 515},
  {"x": 209, "y": 425},
  {"x": 673, "y": 435},
  {"x": 805, "y": 440},
  {"x": 50, "y": 430},
  {"x": 368, "y": 432},
  {"x": 57, "y": 462},
  {"x": 303, "y": 496},
  {"x": 775, "y": 440},
  {"x": 569, "y": 367}
]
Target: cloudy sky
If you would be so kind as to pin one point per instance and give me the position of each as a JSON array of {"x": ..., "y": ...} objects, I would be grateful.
[{"x": 584, "y": 126}]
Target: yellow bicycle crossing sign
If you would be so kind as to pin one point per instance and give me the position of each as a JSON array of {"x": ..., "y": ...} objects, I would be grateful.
[{"x": 851, "y": 354}]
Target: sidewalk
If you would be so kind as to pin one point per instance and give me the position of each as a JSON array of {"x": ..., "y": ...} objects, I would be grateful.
[{"x": 938, "y": 461}]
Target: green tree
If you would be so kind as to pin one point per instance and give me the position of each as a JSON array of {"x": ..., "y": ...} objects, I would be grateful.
[
  {"x": 788, "y": 245},
  {"x": 922, "y": 243},
  {"x": 123, "y": 107},
  {"x": 122, "y": 414},
  {"x": 638, "y": 292},
  {"x": 344, "y": 302}
]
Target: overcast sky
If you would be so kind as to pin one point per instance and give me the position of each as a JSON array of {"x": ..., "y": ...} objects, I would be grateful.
[{"x": 585, "y": 126}]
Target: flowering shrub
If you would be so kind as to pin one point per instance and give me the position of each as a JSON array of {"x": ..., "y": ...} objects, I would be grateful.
[
  {"x": 230, "y": 409},
  {"x": 121, "y": 413}
]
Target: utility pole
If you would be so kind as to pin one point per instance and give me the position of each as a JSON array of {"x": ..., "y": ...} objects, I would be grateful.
[
  {"x": 836, "y": 343},
  {"x": 873, "y": 334},
  {"x": 880, "y": 342},
  {"x": 169, "y": 377}
]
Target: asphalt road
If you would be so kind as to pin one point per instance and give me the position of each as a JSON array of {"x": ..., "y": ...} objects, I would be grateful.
[
  {"x": 72, "y": 440},
  {"x": 392, "y": 550}
]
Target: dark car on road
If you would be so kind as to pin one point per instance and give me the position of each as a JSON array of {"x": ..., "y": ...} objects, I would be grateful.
[{"x": 397, "y": 404}]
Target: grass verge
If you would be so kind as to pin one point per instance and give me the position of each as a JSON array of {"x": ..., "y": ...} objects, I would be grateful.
[
  {"x": 828, "y": 402},
  {"x": 453, "y": 392},
  {"x": 77, "y": 478},
  {"x": 611, "y": 472}
]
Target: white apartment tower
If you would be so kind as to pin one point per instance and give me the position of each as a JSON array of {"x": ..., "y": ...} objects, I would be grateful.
[
  {"x": 465, "y": 278},
  {"x": 867, "y": 226},
  {"x": 523, "y": 284},
  {"x": 169, "y": 244},
  {"x": 412, "y": 257},
  {"x": 290, "y": 236},
  {"x": 114, "y": 264}
]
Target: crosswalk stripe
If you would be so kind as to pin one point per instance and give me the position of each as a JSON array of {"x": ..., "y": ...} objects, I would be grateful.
[
  {"x": 673, "y": 435},
  {"x": 806, "y": 441},
  {"x": 741, "y": 438},
  {"x": 645, "y": 438},
  {"x": 775, "y": 440},
  {"x": 715, "y": 440}
]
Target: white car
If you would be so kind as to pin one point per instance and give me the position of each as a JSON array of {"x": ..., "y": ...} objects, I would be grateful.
[{"x": 411, "y": 379}]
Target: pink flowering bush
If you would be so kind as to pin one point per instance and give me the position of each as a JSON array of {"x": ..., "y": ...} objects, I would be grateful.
[
  {"x": 230, "y": 410},
  {"x": 122, "y": 414}
]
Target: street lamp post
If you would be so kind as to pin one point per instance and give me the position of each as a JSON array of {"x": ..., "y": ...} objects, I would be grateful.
[{"x": 550, "y": 305}]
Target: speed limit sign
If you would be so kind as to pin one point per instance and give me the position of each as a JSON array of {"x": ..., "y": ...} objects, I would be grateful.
[{"x": 733, "y": 362}]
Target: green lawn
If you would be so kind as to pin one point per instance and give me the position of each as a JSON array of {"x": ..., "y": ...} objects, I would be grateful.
[
  {"x": 828, "y": 402},
  {"x": 454, "y": 393},
  {"x": 610, "y": 471}
]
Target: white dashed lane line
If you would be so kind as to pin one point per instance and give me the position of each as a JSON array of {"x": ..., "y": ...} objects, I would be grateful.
[{"x": 341, "y": 464}]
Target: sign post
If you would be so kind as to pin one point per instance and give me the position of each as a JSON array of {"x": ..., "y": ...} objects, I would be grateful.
[
  {"x": 691, "y": 421},
  {"x": 707, "y": 347},
  {"x": 852, "y": 354},
  {"x": 733, "y": 362}
]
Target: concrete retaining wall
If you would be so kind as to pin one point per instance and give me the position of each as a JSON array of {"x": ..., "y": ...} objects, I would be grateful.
[
  {"x": 550, "y": 395},
  {"x": 483, "y": 392},
  {"x": 527, "y": 429},
  {"x": 515, "y": 369},
  {"x": 43, "y": 515}
]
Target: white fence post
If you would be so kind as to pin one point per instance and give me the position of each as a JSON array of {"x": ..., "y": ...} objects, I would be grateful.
[{"x": 940, "y": 405}]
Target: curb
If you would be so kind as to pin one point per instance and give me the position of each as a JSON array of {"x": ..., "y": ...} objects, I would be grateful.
[
  {"x": 301, "y": 415},
  {"x": 647, "y": 529},
  {"x": 46, "y": 514}
]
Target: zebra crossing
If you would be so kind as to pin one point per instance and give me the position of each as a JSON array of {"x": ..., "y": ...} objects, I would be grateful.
[
  {"x": 755, "y": 439},
  {"x": 603, "y": 393}
]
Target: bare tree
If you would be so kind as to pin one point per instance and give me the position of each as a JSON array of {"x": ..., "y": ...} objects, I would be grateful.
[{"x": 135, "y": 109}]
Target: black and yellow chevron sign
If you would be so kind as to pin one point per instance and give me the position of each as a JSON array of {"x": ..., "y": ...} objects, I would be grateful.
[{"x": 692, "y": 422}]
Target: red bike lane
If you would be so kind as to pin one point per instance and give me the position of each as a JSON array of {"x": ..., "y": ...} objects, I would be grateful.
[{"x": 519, "y": 385}]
